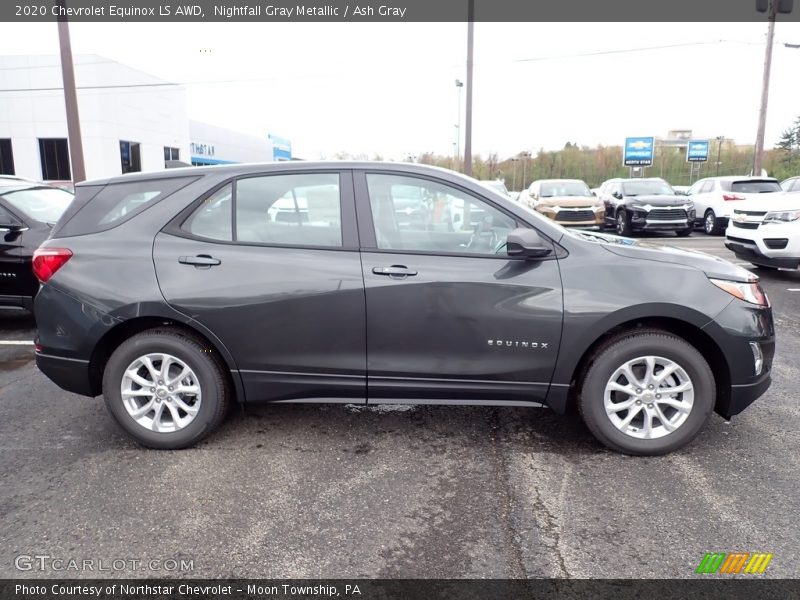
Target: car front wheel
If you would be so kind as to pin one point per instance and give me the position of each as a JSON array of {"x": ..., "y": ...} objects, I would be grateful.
[
  {"x": 647, "y": 393},
  {"x": 623, "y": 226},
  {"x": 166, "y": 389}
]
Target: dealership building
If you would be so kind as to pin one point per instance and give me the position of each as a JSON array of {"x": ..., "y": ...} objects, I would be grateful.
[{"x": 130, "y": 121}]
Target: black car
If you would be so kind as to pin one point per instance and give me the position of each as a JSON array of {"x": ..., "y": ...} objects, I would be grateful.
[
  {"x": 175, "y": 294},
  {"x": 28, "y": 211},
  {"x": 634, "y": 205}
]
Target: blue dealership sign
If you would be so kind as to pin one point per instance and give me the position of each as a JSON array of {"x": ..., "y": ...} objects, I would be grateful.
[
  {"x": 281, "y": 148},
  {"x": 697, "y": 151},
  {"x": 638, "y": 151}
]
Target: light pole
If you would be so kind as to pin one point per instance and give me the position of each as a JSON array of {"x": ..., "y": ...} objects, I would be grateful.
[
  {"x": 772, "y": 8},
  {"x": 468, "y": 125},
  {"x": 514, "y": 185},
  {"x": 525, "y": 156},
  {"x": 460, "y": 86},
  {"x": 720, "y": 139},
  {"x": 71, "y": 100}
]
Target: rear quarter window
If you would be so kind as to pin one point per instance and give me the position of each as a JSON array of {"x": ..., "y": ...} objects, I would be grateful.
[{"x": 111, "y": 205}]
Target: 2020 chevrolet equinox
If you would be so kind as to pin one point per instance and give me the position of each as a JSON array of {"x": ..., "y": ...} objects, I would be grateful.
[{"x": 175, "y": 294}]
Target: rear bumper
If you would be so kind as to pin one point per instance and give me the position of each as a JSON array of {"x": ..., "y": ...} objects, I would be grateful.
[{"x": 70, "y": 374}]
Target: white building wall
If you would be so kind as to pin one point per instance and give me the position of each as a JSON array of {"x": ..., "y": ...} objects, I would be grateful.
[
  {"x": 150, "y": 112},
  {"x": 229, "y": 146}
]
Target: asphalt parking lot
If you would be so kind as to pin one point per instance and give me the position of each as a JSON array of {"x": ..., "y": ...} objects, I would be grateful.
[{"x": 343, "y": 492}]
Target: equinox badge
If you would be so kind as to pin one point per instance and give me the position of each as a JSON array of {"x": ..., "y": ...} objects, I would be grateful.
[{"x": 516, "y": 344}]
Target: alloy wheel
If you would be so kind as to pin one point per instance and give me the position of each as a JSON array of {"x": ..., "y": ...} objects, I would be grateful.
[
  {"x": 648, "y": 397},
  {"x": 161, "y": 392}
]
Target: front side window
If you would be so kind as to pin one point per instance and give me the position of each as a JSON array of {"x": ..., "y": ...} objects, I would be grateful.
[
  {"x": 422, "y": 215},
  {"x": 295, "y": 210}
]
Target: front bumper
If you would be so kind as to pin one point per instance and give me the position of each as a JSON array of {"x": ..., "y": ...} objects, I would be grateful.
[
  {"x": 769, "y": 245},
  {"x": 641, "y": 220},
  {"x": 734, "y": 330}
]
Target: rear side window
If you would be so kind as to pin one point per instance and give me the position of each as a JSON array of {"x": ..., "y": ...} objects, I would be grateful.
[
  {"x": 301, "y": 209},
  {"x": 114, "y": 204}
]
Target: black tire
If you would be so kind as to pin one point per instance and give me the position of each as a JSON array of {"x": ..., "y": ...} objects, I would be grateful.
[
  {"x": 623, "y": 224},
  {"x": 208, "y": 367},
  {"x": 627, "y": 347},
  {"x": 711, "y": 223},
  {"x": 684, "y": 232}
]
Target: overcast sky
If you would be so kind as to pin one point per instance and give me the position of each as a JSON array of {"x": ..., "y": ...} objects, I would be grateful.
[{"x": 390, "y": 89}]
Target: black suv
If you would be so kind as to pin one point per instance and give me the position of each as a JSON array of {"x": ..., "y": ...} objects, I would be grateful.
[
  {"x": 646, "y": 205},
  {"x": 175, "y": 294}
]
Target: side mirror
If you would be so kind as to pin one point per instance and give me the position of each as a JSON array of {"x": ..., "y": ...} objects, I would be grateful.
[{"x": 526, "y": 243}]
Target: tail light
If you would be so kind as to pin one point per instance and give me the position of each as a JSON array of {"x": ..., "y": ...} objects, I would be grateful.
[
  {"x": 729, "y": 197},
  {"x": 46, "y": 261}
]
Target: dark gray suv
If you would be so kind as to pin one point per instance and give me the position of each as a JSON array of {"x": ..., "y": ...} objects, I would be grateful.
[{"x": 175, "y": 294}]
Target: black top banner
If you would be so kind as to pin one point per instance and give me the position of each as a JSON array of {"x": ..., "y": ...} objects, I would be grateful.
[{"x": 392, "y": 10}]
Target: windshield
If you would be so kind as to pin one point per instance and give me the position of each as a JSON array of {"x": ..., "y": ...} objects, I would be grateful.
[
  {"x": 755, "y": 187},
  {"x": 44, "y": 204},
  {"x": 647, "y": 188},
  {"x": 550, "y": 189},
  {"x": 497, "y": 186}
]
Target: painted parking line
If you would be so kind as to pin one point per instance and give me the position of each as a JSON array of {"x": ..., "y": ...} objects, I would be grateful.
[{"x": 15, "y": 343}]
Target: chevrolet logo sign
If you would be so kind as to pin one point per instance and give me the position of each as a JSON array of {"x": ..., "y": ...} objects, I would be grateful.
[
  {"x": 740, "y": 218},
  {"x": 639, "y": 145}
]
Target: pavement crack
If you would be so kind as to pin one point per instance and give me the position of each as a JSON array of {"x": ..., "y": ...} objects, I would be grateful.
[{"x": 502, "y": 475}]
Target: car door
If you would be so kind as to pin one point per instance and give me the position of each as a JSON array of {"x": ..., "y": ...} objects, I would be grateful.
[
  {"x": 12, "y": 277},
  {"x": 269, "y": 263},
  {"x": 449, "y": 318}
]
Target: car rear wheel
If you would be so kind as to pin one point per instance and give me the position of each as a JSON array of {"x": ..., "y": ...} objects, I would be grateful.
[
  {"x": 711, "y": 224},
  {"x": 166, "y": 389},
  {"x": 623, "y": 225},
  {"x": 647, "y": 393}
]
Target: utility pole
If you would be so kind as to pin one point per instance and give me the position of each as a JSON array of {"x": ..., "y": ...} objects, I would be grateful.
[
  {"x": 720, "y": 139},
  {"x": 460, "y": 86},
  {"x": 468, "y": 124},
  {"x": 71, "y": 100},
  {"x": 758, "y": 155},
  {"x": 514, "y": 185}
]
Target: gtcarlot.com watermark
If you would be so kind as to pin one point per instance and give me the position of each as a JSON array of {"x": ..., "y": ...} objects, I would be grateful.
[{"x": 45, "y": 562}]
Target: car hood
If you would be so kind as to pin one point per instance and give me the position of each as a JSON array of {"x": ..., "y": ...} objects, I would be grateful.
[
  {"x": 568, "y": 201},
  {"x": 658, "y": 200},
  {"x": 776, "y": 201},
  {"x": 712, "y": 266}
]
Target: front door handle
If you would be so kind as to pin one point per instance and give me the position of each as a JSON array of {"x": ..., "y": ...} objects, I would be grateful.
[
  {"x": 201, "y": 260},
  {"x": 398, "y": 271}
]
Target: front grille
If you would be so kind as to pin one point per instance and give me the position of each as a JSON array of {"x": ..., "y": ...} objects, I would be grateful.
[
  {"x": 745, "y": 225},
  {"x": 776, "y": 243},
  {"x": 740, "y": 240},
  {"x": 666, "y": 214},
  {"x": 750, "y": 213},
  {"x": 575, "y": 215}
]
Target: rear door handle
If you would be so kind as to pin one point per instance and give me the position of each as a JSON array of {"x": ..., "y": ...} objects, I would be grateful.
[
  {"x": 394, "y": 271},
  {"x": 201, "y": 260}
]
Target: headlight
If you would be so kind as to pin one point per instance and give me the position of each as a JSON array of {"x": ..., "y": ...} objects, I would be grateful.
[
  {"x": 782, "y": 216},
  {"x": 749, "y": 292}
]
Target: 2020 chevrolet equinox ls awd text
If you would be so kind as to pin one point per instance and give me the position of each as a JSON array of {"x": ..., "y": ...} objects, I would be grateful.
[{"x": 175, "y": 294}]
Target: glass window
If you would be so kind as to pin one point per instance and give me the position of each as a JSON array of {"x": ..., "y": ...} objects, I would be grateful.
[
  {"x": 171, "y": 153},
  {"x": 708, "y": 186},
  {"x": 551, "y": 189},
  {"x": 44, "y": 204},
  {"x": 645, "y": 187},
  {"x": 214, "y": 217},
  {"x": 54, "y": 156},
  {"x": 696, "y": 187},
  {"x": 6, "y": 157},
  {"x": 417, "y": 214},
  {"x": 299, "y": 210},
  {"x": 130, "y": 156},
  {"x": 116, "y": 203},
  {"x": 755, "y": 186}
]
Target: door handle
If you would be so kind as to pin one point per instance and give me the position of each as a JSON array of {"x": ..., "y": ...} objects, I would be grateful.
[
  {"x": 398, "y": 271},
  {"x": 201, "y": 260}
]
